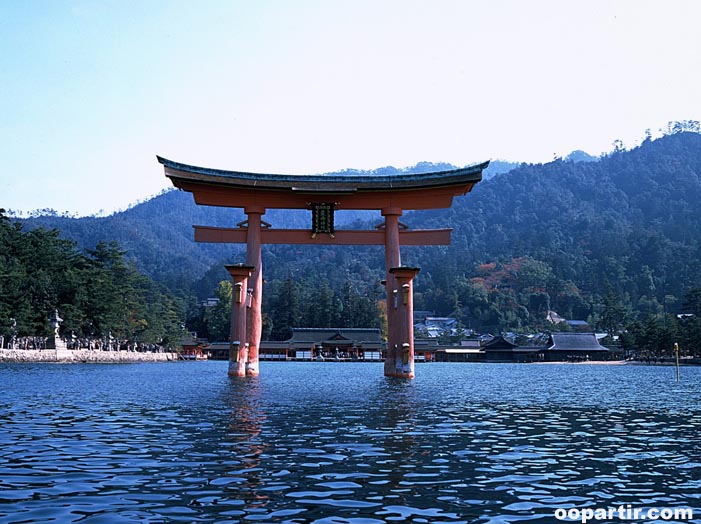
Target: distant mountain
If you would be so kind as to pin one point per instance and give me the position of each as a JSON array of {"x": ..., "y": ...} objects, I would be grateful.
[
  {"x": 498, "y": 167},
  {"x": 158, "y": 234},
  {"x": 558, "y": 234},
  {"x": 580, "y": 156}
]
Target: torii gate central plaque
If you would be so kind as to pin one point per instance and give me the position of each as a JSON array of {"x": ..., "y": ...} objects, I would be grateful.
[{"x": 256, "y": 193}]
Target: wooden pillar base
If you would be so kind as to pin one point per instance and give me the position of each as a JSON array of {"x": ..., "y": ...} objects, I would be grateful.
[{"x": 237, "y": 359}]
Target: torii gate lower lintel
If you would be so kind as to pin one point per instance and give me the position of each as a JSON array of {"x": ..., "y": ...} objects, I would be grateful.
[{"x": 256, "y": 193}]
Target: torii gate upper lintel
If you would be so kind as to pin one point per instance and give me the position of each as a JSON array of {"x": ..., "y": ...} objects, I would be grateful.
[{"x": 322, "y": 194}]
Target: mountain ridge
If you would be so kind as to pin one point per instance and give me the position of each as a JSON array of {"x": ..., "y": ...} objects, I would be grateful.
[
  {"x": 626, "y": 222},
  {"x": 157, "y": 233}
]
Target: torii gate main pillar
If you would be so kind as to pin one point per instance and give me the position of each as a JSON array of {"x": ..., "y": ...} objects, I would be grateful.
[
  {"x": 254, "y": 258},
  {"x": 399, "y": 361}
]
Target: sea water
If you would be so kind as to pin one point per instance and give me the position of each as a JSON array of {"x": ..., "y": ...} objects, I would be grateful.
[{"x": 328, "y": 442}]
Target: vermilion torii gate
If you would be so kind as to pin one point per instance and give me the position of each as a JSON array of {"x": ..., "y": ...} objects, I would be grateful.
[{"x": 321, "y": 194}]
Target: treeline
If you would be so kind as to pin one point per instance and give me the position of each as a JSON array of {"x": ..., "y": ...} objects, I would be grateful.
[
  {"x": 293, "y": 303},
  {"x": 655, "y": 335},
  {"x": 515, "y": 294},
  {"x": 97, "y": 292}
]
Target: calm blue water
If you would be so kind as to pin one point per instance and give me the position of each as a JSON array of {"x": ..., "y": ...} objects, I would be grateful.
[{"x": 340, "y": 443}]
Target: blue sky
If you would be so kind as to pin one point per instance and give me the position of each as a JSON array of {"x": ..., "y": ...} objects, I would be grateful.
[{"x": 92, "y": 91}]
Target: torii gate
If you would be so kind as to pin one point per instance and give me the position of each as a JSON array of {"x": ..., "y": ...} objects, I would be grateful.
[{"x": 321, "y": 194}]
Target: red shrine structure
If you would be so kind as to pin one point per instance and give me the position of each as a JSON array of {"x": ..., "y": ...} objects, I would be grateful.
[{"x": 255, "y": 193}]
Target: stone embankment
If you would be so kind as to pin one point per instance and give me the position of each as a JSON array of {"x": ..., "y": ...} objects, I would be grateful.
[{"x": 83, "y": 355}]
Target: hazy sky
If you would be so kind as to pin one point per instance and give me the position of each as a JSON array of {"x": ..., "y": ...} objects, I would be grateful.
[{"x": 91, "y": 91}]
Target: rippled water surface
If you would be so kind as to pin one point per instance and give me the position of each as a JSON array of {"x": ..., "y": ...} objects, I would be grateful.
[{"x": 340, "y": 443}]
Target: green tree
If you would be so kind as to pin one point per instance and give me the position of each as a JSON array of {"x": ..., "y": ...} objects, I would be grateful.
[
  {"x": 219, "y": 319},
  {"x": 692, "y": 302},
  {"x": 613, "y": 312},
  {"x": 285, "y": 309},
  {"x": 323, "y": 307}
]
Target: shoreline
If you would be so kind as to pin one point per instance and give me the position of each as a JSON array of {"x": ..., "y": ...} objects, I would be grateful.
[
  {"x": 92, "y": 356},
  {"x": 592, "y": 362},
  {"x": 82, "y": 356}
]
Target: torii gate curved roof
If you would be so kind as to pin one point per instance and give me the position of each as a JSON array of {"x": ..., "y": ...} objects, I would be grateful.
[{"x": 218, "y": 187}]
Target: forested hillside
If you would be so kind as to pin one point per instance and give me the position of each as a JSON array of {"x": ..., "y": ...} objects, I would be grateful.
[
  {"x": 628, "y": 224},
  {"x": 98, "y": 293},
  {"x": 610, "y": 240},
  {"x": 156, "y": 234}
]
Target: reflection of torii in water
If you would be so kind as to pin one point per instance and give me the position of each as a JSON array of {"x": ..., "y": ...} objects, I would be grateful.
[
  {"x": 244, "y": 428},
  {"x": 390, "y": 195}
]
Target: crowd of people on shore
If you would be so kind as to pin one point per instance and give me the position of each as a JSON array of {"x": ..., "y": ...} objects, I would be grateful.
[{"x": 107, "y": 343}]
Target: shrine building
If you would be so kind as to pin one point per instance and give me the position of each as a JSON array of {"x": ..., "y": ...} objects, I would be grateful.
[{"x": 322, "y": 195}]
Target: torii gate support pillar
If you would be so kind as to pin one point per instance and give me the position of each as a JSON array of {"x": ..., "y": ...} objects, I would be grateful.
[
  {"x": 238, "y": 347},
  {"x": 402, "y": 339}
]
